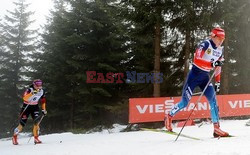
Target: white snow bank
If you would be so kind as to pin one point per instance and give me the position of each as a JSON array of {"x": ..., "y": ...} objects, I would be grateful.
[{"x": 113, "y": 142}]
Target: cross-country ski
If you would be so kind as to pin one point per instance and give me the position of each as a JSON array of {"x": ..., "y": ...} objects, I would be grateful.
[{"x": 169, "y": 132}]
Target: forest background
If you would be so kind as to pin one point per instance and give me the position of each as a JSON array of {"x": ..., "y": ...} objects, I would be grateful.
[{"x": 113, "y": 36}]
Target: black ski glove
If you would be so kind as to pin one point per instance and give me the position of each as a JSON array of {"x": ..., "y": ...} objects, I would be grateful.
[{"x": 216, "y": 63}]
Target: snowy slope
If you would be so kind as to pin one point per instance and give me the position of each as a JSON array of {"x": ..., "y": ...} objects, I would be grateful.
[{"x": 138, "y": 142}]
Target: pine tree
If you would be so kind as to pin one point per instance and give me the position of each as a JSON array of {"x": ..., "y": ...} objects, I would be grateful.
[
  {"x": 53, "y": 67},
  {"x": 145, "y": 29},
  {"x": 191, "y": 17},
  {"x": 233, "y": 17},
  {"x": 85, "y": 38},
  {"x": 237, "y": 47},
  {"x": 16, "y": 46}
]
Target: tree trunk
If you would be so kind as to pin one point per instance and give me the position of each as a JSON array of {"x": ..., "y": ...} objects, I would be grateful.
[
  {"x": 157, "y": 91},
  {"x": 225, "y": 71},
  {"x": 72, "y": 115},
  {"x": 187, "y": 52}
]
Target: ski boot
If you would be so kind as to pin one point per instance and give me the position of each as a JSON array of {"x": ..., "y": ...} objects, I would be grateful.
[
  {"x": 14, "y": 140},
  {"x": 218, "y": 132},
  {"x": 168, "y": 122},
  {"x": 36, "y": 140}
]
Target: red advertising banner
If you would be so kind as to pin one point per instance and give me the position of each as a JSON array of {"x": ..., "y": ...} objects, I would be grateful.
[{"x": 154, "y": 109}]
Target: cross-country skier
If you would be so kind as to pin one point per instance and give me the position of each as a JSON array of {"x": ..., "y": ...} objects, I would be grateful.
[
  {"x": 207, "y": 56},
  {"x": 30, "y": 106}
]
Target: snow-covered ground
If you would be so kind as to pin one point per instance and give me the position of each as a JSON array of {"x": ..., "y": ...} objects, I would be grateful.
[{"x": 113, "y": 142}]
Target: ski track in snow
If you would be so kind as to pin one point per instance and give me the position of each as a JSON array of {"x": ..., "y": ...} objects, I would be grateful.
[{"x": 138, "y": 142}]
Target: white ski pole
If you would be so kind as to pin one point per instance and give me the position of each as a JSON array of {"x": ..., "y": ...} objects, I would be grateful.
[
  {"x": 23, "y": 111},
  {"x": 196, "y": 93}
]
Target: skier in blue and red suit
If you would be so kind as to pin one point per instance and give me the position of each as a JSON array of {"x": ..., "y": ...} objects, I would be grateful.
[{"x": 208, "y": 55}]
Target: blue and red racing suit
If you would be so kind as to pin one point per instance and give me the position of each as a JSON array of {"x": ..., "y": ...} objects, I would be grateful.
[{"x": 205, "y": 54}]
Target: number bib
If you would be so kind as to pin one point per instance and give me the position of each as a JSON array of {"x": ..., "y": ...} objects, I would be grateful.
[{"x": 33, "y": 100}]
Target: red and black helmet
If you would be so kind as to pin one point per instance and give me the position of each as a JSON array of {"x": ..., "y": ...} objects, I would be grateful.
[{"x": 219, "y": 32}]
